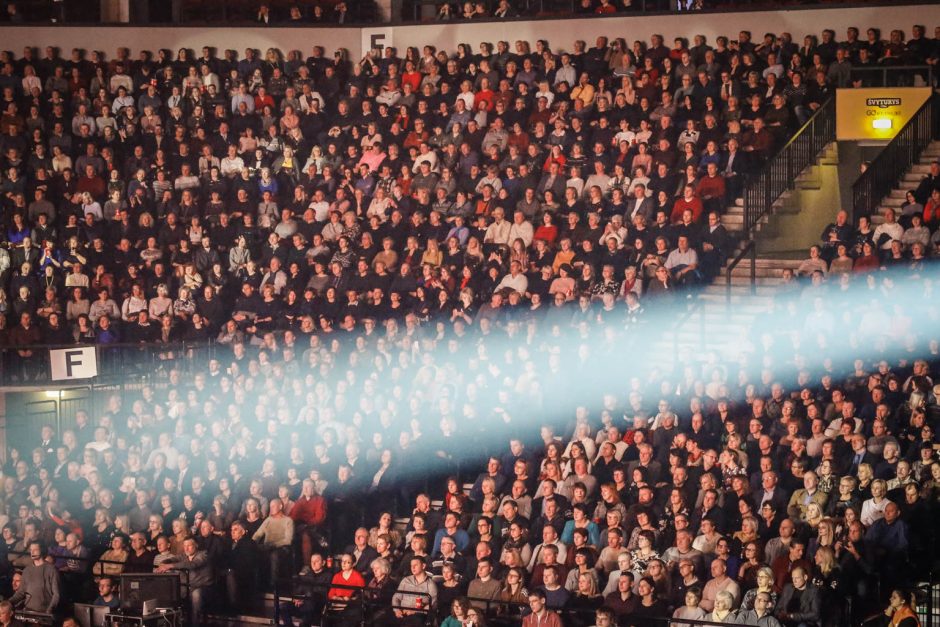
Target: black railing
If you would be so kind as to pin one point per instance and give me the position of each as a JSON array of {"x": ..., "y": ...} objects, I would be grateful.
[
  {"x": 696, "y": 305},
  {"x": 780, "y": 172},
  {"x": 891, "y": 75},
  {"x": 30, "y": 365},
  {"x": 750, "y": 247},
  {"x": 779, "y": 175},
  {"x": 362, "y": 600},
  {"x": 896, "y": 158}
]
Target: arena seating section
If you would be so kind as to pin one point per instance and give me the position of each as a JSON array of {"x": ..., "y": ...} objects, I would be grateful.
[{"x": 385, "y": 257}]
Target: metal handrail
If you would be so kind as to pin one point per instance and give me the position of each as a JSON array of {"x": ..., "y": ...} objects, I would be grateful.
[
  {"x": 750, "y": 246},
  {"x": 695, "y": 305},
  {"x": 896, "y": 158},
  {"x": 184, "y": 574},
  {"x": 779, "y": 174},
  {"x": 780, "y": 171},
  {"x": 892, "y": 70},
  {"x": 114, "y": 360},
  {"x": 358, "y": 597}
]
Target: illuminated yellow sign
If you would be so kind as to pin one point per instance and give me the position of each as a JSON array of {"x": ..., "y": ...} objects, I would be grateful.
[{"x": 876, "y": 113}]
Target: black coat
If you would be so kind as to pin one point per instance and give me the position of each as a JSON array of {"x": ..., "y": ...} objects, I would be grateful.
[{"x": 809, "y": 611}]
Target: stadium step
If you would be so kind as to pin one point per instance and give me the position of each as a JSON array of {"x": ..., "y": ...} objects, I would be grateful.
[
  {"x": 909, "y": 181},
  {"x": 723, "y": 324},
  {"x": 769, "y": 280},
  {"x": 739, "y": 289},
  {"x": 722, "y": 327}
]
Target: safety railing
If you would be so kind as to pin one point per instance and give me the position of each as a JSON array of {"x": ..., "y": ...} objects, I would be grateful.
[
  {"x": 891, "y": 75},
  {"x": 903, "y": 151},
  {"x": 695, "y": 306},
  {"x": 780, "y": 172},
  {"x": 362, "y": 606},
  {"x": 511, "y": 612},
  {"x": 76, "y": 584},
  {"x": 30, "y": 365},
  {"x": 91, "y": 563}
]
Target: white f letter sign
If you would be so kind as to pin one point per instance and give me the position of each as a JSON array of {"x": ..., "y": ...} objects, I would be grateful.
[{"x": 73, "y": 363}]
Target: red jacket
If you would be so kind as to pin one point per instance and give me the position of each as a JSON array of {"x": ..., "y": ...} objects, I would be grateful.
[
  {"x": 695, "y": 205},
  {"x": 309, "y": 512}
]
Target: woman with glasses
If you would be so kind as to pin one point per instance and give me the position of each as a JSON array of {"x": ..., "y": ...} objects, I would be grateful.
[
  {"x": 765, "y": 583},
  {"x": 345, "y": 582}
]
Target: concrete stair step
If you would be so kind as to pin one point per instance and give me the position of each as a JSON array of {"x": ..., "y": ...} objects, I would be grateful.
[
  {"x": 743, "y": 269},
  {"x": 713, "y": 307},
  {"x": 774, "y": 262},
  {"x": 760, "y": 281},
  {"x": 765, "y": 291},
  {"x": 662, "y": 353},
  {"x": 692, "y": 336},
  {"x": 761, "y": 302},
  {"x": 725, "y": 321}
]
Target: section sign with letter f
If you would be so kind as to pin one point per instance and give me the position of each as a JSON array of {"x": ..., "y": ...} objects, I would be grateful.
[{"x": 73, "y": 363}]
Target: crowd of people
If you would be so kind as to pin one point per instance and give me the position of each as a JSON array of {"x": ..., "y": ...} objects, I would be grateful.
[
  {"x": 307, "y": 12},
  {"x": 174, "y": 197},
  {"x": 410, "y": 269}
]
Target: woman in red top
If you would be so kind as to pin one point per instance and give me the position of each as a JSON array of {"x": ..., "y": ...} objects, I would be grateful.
[
  {"x": 484, "y": 95},
  {"x": 519, "y": 138},
  {"x": 932, "y": 210},
  {"x": 411, "y": 77},
  {"x": 556, "y": 156},
  {"x": 547, "y": 231},
  {"x": 869, "y": 261},
  {"x": 404, "y": 179},
  {"x": 347, "y": 576}
]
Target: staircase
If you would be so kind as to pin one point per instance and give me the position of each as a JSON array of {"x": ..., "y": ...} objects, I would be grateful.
[
  {"x": 721, "y": 328},
  {"x": 718, "y": 329},
  {"x": 910, "y": 181}
]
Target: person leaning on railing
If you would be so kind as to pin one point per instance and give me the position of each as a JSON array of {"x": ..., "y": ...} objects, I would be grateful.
[
  {"x": 40, "y": 583},
  {"x": 200, "y": 575},
  {"x": 309, "y": 592},
  {"x": 416, "y": 595}
]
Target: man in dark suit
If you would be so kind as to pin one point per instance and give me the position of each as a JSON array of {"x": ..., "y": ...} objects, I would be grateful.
[
  {"x": 710, "y": 510},
  {"x": 242, "y": 564},
  {"x": 554, "y": 181},
  {"x": 771, "y": 492},
  {"x": 361, "y": 551},
  {"x": 548, "y": 494},
  {"x": 640, "y": 204},
  {"x": 734, "y": 167},
  {"x": 48, "y": 443},
  {"x": 552, "y": 515},
  {"x": 715, "y": 244},
  {"x": 859, "y": 455},
  {"x": 800, "y": 602}
]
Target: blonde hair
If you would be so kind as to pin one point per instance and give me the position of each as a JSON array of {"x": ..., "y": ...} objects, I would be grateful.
[{"x": 827, "y": 559}]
